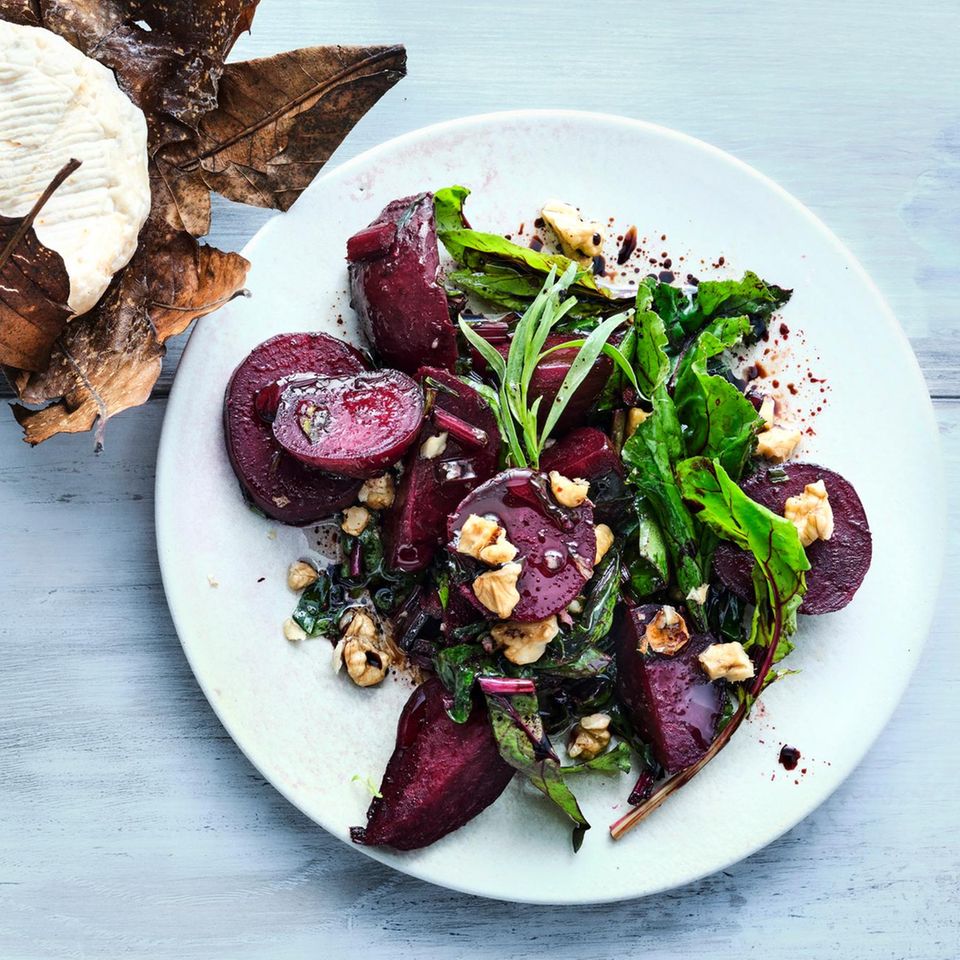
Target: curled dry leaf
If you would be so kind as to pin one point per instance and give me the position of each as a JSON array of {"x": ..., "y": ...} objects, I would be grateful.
[
  {"x": 34, "y": 287},
  {"x": 280, "y": 118},
  {"x": 277, "y": 122}
]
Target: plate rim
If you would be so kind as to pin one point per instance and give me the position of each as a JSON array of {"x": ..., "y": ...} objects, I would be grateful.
[{"x": 912, "y": 369}]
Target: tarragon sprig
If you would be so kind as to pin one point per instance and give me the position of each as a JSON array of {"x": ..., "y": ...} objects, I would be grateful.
[{"x": 517, "y": 417}]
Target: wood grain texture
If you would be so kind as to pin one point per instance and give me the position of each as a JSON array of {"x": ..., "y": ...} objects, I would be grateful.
[{"x": 131, "y": 825}]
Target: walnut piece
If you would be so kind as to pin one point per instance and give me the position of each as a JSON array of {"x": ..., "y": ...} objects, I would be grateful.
[
  {"x": 293, "y": 631},
  {"x": 525, "y": 643},
  {"x": 666, "y": 633},
  {"x": 728, "y": 661},
  {"x": 811, "y": 513},
  {"x": 432, "y": 447},
  {"x": 476, "y": 534},
  {"x": 589, "y": 737},
  {"x": 768, "y": 411},
  {"x": 300, "y": 575},
  {"x": 377, "y": 493},
  {"x": 777, "y": 443},
  {"x": 604, "y": 541},
  {"x": 699, "y": 594},
  {"x": 355, "y": 520},
  {"x": 635, "y": 416},
  {"x": 500, "y": 551},
  {"x": 365, "y": 654},
  {"x": 569, "y": 493},
  {"x": 497, "y": 589},
  {"x": 579, "y": 238}
]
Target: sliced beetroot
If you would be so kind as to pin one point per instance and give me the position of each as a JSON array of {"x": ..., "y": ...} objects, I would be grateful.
[
  {"x": 550, "y": 373},
  {"x": 670, "y": 699},
  {"x": 441, "y": 774},
  {"x": 837, "y": 565},
  {"x": 430, "y": 489},
  {"x": 589, "y": 454},
  {"x": 356, "y": 425},
  {"x": 556, "y": 545},
  {"x": 279, "y": 485},
  {"x": 403, "y": 310}
]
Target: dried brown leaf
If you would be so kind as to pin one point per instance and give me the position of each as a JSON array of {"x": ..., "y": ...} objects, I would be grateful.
[
  {"x": 280, "y": 118},
  {"x": 34, "y": 287}
]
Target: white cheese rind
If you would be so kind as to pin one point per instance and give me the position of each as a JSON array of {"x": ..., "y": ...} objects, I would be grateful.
[{"x": 57, "y": 104}]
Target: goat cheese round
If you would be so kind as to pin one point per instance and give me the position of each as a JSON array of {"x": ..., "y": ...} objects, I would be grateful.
[{"x": 56, "y": 105}]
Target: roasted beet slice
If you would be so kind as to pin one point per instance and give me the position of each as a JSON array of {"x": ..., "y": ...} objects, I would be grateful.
[
  {"x": 441, "y": 774},
  {"x": 556, "y": 545},
  {"x": 393, "y": 287},
  {"x": 670, "y": 699},
  {"x": 550, "y": 374},
  {"x": 588, "y": 453},
  {"x": 431, "y": 488},
  {"x": 356, "y": 425},
  {"x": 279, "y": 485},
  {"x": 837, "y": 565}
]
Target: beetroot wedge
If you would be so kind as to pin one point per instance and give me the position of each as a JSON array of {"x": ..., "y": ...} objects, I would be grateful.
[
  {"x": 279, "y": 485},
  {"x": 355, "y": 425},
  {"x": 441, "y": 774},
  {"x": 556, "y": 545},
  {"x": 588, "y": 453},
  {"x": 670, "y": 700},
  {"x": 431, "y": 487},
  {"x": 837, "y": 565},
  {"x": 403, "y": 310}
]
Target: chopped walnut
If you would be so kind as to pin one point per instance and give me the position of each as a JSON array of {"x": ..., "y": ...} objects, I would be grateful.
[
  {"x": 293, "y": 631},
  {"x": 811, "y": 513},
  {"x": 578, "y": 237},
  {"x": 476, "y": 534},
  {"x": 666, "y": 633},
  {"x": 300, "y": 575},
  {"x": 569, "y": 493},
  {"x": 433, "y": 447},
  {"x": 500, "y": 551},
  {"x": 365, "y": 654},
  {"x": 728, "y": 661},
  {"x": 355, "y": 520},
  {"x": 604, "y": 541},
  {"x": 497, "y": 589},
  {"x": 377, "y": 493},
  {"x": 589, "y": 737},
  {"x": 524, "y": 643},
  {"x": 699, "y": 594},
  {"x": 635, "y": 416},
  {"x": 777, "y": 443}
]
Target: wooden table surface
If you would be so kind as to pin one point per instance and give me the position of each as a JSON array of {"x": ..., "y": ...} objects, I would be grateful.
[{"x": 132, "y": 826}]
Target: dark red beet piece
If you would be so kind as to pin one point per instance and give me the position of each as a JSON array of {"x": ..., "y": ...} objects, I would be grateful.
[
  {"x": 355, "y": 425},
  {"x": 403, "y": 310},
  {"x": 556, "y": 545},
  {"x": 550, "y": 374},
  {"x": 441, "y": 774},
  {"x": 282, "y": 487},
  {"x": 837, "y": 565},
  {"x": 670, "y": 699},
  {"x": 416, "y": 524},
  {"x": 588, "y": 453}
]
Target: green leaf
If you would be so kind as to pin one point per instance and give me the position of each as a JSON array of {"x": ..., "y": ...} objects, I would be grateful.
[
  {"x": 718, "y": 420},
  {"x": 314, "y": 613},
  {"x": 651, "y": 363},
  {"x": 448, "y": 208},
  {"x": 616, "y": 760},
  {"x": 523, "y": 744},
  {"x": 779, "y": 576},
  {"x": 619, "y": 358},
  {"x": 368, "y": 783},
  {"x": 646, "y": 558},
  {"x": 458, "y": 667}
]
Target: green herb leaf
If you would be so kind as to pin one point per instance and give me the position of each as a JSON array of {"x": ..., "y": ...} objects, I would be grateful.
[
  {"x": 368, "y": 783},
  {"x": 314, "y": 612},
  {"x": 779, "y": 576},
  {"x": 616, "y": 760},
  {"x": 518, "y": 729},
  {"x": 458, "y": 668}
]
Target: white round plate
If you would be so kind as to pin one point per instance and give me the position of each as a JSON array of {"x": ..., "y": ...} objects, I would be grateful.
[{"x": 311, "y": 732}]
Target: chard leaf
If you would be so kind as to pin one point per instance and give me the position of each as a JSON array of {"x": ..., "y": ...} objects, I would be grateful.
[
  {"x": 650, "y": 360},
  {"x": 586, "y": 662},
  {"x": 314, "y": 613},
  {"x": 779, "y": 576},
  {"x": 522, "y": 742},
  {"x": 718, "y": 420},
  {"x": 616, "y": 760},
  {"x": 458, "y": 668},
  {"x": 646, "y": 558}
]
